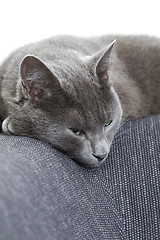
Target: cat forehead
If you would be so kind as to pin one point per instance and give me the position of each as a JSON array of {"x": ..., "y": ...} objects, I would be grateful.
[
  {"x": 70, "y": 69},
  {"x": 85, "y": 94},
  {"x": 87, "y": 108},
  {"x": 82, "y": 91},
  {"x": 86, "y": 118}
]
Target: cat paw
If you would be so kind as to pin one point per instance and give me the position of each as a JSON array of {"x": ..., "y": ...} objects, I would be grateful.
[{"x": 7, "y": 126}]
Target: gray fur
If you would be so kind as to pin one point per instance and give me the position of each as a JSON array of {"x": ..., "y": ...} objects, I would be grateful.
[{"x": 52, "y": 88}]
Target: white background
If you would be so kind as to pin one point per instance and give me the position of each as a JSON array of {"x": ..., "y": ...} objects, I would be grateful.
[{"x": 27, "y": 21}]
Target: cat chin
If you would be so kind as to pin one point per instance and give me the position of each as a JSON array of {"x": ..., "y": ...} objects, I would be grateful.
[{"x": 90, "y": 164}]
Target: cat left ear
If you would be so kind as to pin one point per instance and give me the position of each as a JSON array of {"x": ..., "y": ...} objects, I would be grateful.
[
  {"x": 100, "y": 62},
  {"x": 37, "y": 79},
  {"x": 104, "y": 61}
]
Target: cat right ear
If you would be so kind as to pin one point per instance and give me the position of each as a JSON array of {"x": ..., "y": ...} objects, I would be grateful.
[{"x": 37, "y": 79}]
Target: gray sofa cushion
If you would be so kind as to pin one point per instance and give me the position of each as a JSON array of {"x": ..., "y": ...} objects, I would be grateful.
[{"x": 46, "y": 195}]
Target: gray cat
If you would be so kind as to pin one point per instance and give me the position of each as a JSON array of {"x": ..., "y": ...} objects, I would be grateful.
[{"x": 74, "y": 93}]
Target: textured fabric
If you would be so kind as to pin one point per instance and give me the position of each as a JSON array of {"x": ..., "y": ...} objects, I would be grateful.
[{"x": 45, "y": 195}]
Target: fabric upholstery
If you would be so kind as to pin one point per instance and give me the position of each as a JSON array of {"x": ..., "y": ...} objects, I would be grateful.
[{"x": 46, "y": 195}]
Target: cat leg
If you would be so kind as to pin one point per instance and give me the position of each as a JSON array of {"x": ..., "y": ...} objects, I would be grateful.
[
  {"x": 0, "y": 125},
  {"x": 7, "y": 126}
]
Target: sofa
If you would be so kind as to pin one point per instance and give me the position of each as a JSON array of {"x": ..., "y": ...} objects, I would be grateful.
[{"x": 45, "y": 195}]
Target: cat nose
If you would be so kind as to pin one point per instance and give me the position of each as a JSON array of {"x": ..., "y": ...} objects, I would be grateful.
[{"x": 100, "y": 157}]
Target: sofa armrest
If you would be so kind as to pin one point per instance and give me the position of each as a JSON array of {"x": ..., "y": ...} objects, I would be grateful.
[{"x": 46, "y": 195}]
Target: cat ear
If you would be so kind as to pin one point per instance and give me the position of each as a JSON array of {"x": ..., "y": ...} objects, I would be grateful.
[
  {"x": 100, "y": 62},
  {"x": 103, "y": 62},
  {"x": 37, "y": 79}
]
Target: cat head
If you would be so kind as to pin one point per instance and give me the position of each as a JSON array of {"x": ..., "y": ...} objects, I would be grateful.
[{"x": 71, "y": 104}]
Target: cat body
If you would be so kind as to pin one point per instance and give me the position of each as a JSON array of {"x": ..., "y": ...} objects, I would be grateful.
[{"x": 74, "y": 92}]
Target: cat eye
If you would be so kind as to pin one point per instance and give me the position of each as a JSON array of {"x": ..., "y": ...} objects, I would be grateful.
[
  {"x": 108, "y": 123},
  {"x": 78, "y": 132}
]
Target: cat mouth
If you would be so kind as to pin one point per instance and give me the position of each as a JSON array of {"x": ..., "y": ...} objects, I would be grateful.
[{"x": 90, "y": 162}]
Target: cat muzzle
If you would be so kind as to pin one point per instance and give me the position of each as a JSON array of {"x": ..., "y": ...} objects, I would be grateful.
[{"x": 100, "y": 157}]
